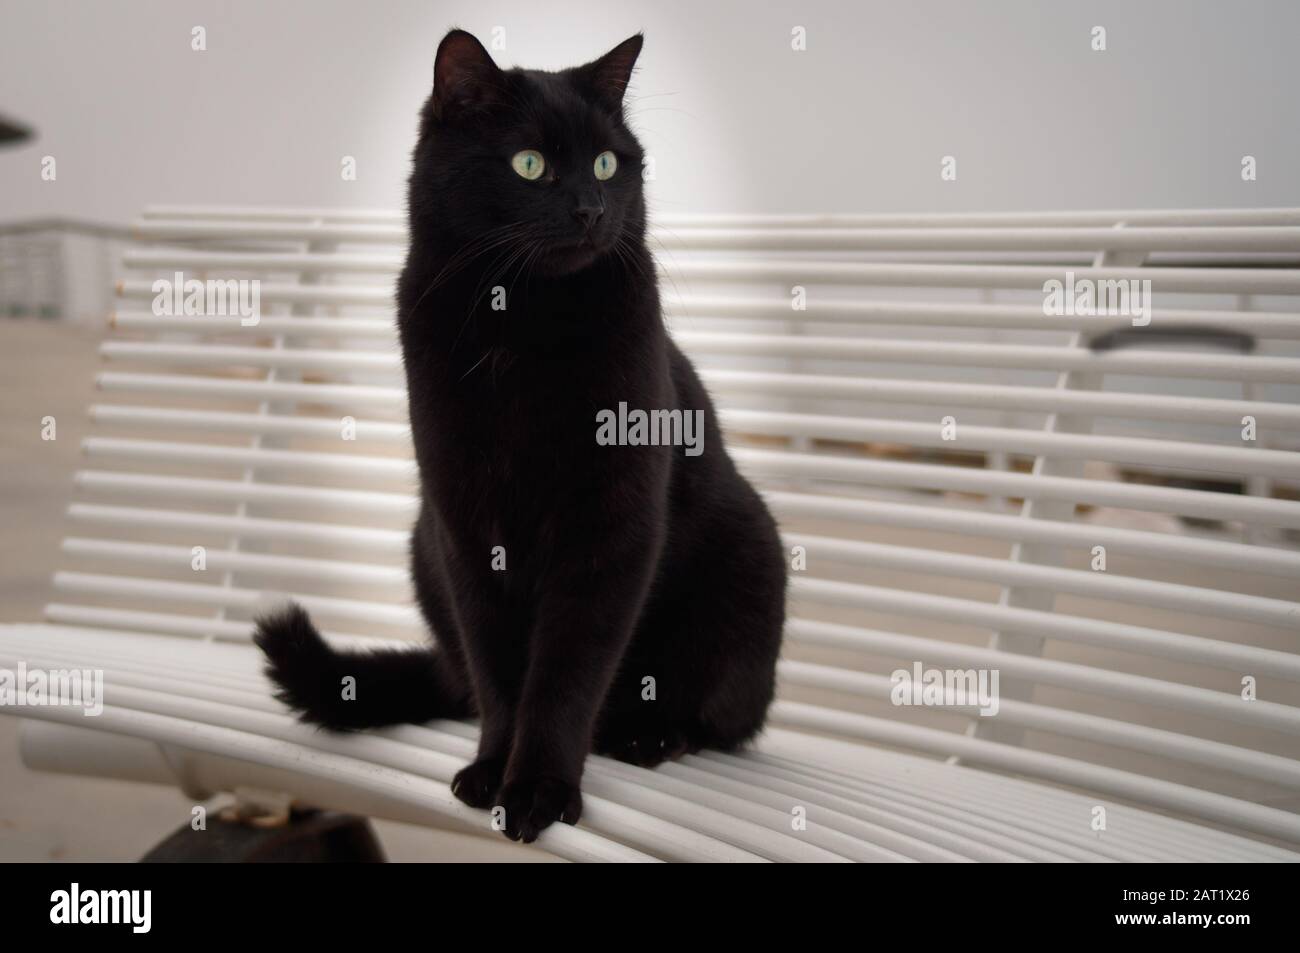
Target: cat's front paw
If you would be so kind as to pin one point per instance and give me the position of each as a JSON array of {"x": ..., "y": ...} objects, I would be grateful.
[
  {"x": 647, "y": 746},
  {"x": 532, "y": 804},
  {"x": 477, "y": 784}
]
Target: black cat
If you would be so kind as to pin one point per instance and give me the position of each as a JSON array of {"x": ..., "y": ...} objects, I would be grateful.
[{"x": 628, "y": 598}]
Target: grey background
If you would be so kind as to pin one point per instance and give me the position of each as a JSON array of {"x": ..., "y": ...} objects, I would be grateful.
[{"x": 735, "y": 119}]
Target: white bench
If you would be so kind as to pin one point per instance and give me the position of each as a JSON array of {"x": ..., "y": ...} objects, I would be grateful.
[{"x": 1121, "y": 734}]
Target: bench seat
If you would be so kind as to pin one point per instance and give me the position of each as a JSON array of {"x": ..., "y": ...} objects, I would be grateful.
[{"x": 204, "y": 710}]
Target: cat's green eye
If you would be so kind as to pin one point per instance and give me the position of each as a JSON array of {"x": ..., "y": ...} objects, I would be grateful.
[
  {"x": 529, "y": 164},
  {"x": 606, "y": 165}
]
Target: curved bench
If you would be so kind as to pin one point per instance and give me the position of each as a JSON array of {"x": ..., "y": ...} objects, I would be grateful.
[{"x": 1107, "y": 535}]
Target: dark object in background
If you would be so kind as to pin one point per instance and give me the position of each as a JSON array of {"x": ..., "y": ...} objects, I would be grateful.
[
  {"x": 309, "y": 837},
  {"x": 1210, "y": 337},
  {"x": 12, "y": 131}
]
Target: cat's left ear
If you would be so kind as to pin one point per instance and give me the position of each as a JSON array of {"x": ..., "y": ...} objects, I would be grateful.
[
  {"x": 608, "y": 76},
  {"x": 464, "y": 77}
]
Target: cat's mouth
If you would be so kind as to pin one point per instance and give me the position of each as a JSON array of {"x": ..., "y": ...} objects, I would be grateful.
[{"x": 567, "y": 257}]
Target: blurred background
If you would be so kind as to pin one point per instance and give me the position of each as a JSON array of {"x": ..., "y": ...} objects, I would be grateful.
[
  {"x": 858, "y": 121},
  {"x": 106, "y": 107}
]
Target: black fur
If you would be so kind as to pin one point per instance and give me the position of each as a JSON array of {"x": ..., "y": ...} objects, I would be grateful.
[
  {"x": 400, "y": 685},
  {"x": 623, "y": 563}
]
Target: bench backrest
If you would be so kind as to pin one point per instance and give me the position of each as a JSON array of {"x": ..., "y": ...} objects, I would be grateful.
[{"x": 968, "y": 489}]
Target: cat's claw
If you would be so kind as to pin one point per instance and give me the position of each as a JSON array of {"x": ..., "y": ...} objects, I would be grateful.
[
  {"x": 650, "y": 747},
  {"x": 477, "y": 784},
  {"x": 534, "y": 804}
]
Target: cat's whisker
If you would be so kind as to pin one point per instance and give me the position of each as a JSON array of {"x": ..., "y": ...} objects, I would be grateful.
[
  {"x": 469, "y": 253},
  {"x": 667, "y": 273}
]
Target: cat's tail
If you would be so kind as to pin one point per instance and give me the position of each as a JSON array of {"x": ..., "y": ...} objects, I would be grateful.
[{"x": 388, "y": 686}]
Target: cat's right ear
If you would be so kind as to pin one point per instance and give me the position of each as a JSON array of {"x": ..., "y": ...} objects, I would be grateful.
[{"x": 464, "y": 77}]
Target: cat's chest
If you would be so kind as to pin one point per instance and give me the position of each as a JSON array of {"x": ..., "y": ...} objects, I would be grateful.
[
  {"x": 508, "y": 457},
  {"x": 508, "y": 414}
]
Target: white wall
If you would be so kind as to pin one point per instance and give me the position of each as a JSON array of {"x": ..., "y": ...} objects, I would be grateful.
[{"x": 735, "y": 119}]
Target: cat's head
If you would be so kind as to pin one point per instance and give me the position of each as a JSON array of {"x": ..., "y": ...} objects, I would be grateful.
[{"x": 528, "y": 159}]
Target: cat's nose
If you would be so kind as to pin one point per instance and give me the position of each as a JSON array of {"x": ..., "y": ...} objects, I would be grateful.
[{"x": 588, "y": 214}]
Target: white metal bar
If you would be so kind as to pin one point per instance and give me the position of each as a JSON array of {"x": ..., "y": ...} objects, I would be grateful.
[
  {"x": 377, "y": 296},
  {"x": 139, "y": 621},
  {"x": 1027, "y": 357},
  {"x": 1240, "y": 238},
  {"x": 262, "y": 261},
  {"x": 366, "y": 502},
  {"x": 1261, "y": 766},
  {"x": 225, "y": 355},
  {"x": 219, "y": 560},
  {"x": 938, "y": 393},
  {"x": 1081, "y": 678},
  {"x": 929, "y": 810},
  {"x": 267, "y": 261},
  {"x": 1201, "y": 503},
  {"x": 885, "y": 473},
  {"x": 200, "y": 630},
  {"x": 1165, "y": 217},
  {"x": 826, "y": 757},
  {"x": 1123, "y": 636},
  {"x": 1221, "y": 603},
  {"x": 1243, "y": 238},
  {"x": 220, "y": 422},
  {"x": 166, "y": 590},
  {"x": 1277, "y": 324},
  {"x": 1187, "y": 455},
  {"x": 1153, "y": 217},
  {"x": 781, "y": 271},
  {"x": 1281, "y": 325},
  {"x": 1175, "y": 597},
  {"x": 890, "y": 824},
  {"x": 196, "y": 386},
  {"x": 1167, "y": 837},
  {"x": 1204, "y": 504},
  {"x": 389, "y": 542},
  {"x": 349, "y": 233},
  {"x": 356, "y": 465},
  {"x": 1155, "y": 452},
  {"x": 1135, "y": 836},
  {"x": 1002, "y": 397},
  {"x": 1023, "y": 836},
  {"x": 331, "y": 327},
  {"x": 1164, "y": 279},
  {"x": 1233, "y": 812},
  {"x": 256, "y": 213},
  {"x": 1021, "y": 356},
  {"x": 1220, "y": 554}
]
